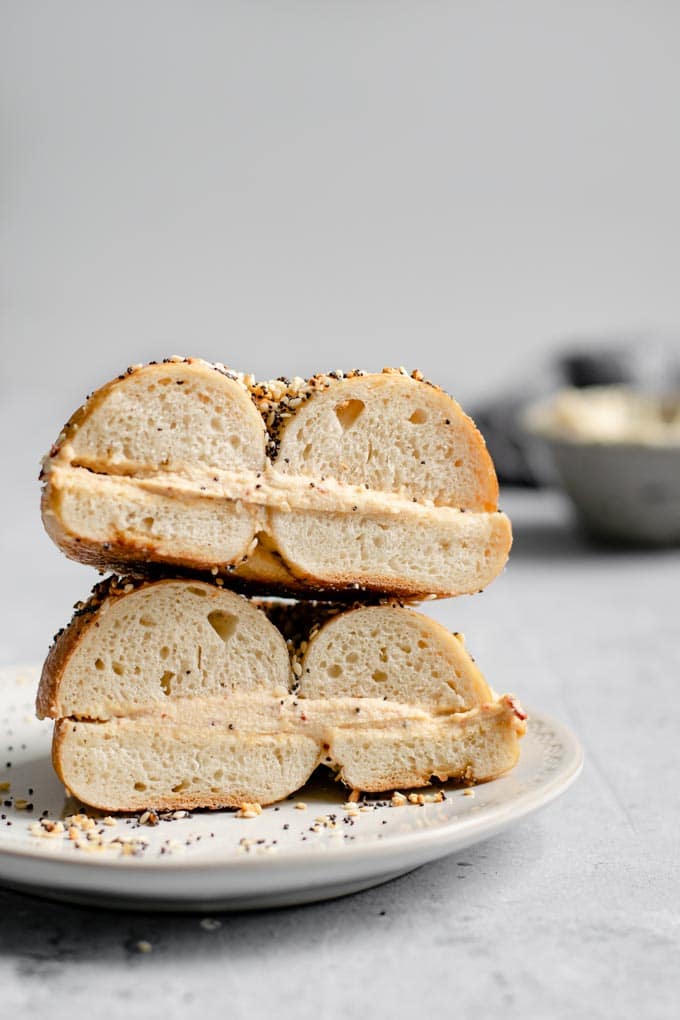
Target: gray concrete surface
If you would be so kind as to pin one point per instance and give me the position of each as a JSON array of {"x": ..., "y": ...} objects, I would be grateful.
[{"x": 572, "y": 913}]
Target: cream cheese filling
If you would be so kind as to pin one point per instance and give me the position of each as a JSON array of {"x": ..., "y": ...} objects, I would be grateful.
[
  {"x": 257, "y": 713},
  {"x": 270, "y": 489}
]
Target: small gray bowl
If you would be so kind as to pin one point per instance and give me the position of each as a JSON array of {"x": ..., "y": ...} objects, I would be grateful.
[{"x": 624, "y": 490}]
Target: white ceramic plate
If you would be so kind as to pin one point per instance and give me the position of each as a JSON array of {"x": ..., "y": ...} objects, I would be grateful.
[{"x": 219, "y": 860}]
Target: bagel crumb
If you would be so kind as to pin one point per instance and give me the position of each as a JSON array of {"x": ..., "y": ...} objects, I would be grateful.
[{"x": 249, "y": 809}]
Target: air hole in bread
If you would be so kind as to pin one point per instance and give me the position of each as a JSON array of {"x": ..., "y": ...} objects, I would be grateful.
[
  {"x": 216, "y": 424},
  {"x": 147, "y": 523},
  {"x": 197, "y": 591},
  {"x": 379, "y": 676},
  {"x": 146, "y": 621},
  {"x": 224, "y": 624},
  {"x": 117, "y": 668},
  {"x": 348, "y": 411},
  {"x": 98, "y": 664},
  {"x": 164, "y": 652},
  {"x": 422, "y": 643},
  {"x": 335, "y": 671},
  {"x": 235, "y": 441},
  {"x": 418, "y": 417},
  {"x": 181, "y": 787},
  {"x": 141, "y": 787},
  {"x": 165, "y": 682}
]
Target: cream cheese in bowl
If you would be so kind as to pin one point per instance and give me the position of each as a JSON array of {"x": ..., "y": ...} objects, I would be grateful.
[{"x": 617, "y": 453}]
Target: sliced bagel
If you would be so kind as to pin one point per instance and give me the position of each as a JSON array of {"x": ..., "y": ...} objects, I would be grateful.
[
  {"x": 179, "y": 694},
  {"x": 377, "y": 482},
  {"x": 125, "y": 481}
]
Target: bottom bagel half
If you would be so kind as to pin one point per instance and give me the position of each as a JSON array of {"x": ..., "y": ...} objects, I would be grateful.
[{"x": 178, "y": 694}]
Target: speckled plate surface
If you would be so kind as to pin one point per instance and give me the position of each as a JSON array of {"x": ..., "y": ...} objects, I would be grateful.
[{"x": 288, "y": 854}]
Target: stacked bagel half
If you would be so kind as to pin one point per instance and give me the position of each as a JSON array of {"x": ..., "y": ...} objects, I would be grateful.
[{"x": 194, "y": 680}]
